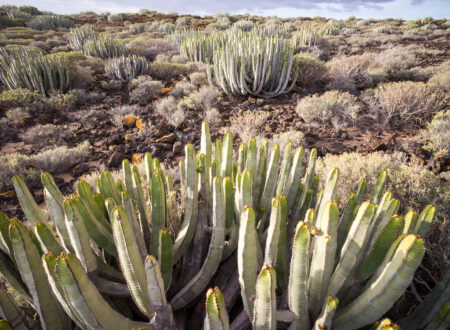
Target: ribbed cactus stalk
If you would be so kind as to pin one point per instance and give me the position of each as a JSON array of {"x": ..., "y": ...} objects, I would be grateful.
[
  {"x": 126, "y": 68},
  {"x": 104, "y": 48},
  {"x": 216, "y": 314},
  {"x": 121, "y": 254},
  {"x": 79, "y": 36},
  {"x": 248, "y": 64},
  {"x": 27, "y": 68}
]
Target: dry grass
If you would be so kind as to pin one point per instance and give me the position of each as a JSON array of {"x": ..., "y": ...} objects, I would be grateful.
[
  {"x": 333, "y": 108},
  {"x": 404, "y": 103}
]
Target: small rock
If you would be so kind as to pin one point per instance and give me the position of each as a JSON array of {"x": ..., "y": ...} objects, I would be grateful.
[
  {"x": 155, "y": 148},
  {"x": 128, "y": 137},
  {"x": 177, "y": 147},
  {"x": 167, "y": 138},
  {"x": 129, "y": 121},
  {"x": 80, "y": 169},
  {"x": 136, "y": 158},
  {"x": 167, "y": 146},
  {"x": 113, "y": 140},
  {"x": 114, "y": 160}
]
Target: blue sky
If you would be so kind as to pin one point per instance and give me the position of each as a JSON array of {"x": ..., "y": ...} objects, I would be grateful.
[{"x": 407, "y": 9}]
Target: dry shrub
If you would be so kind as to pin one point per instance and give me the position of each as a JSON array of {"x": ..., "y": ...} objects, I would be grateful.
[
  {"x": 311, "y": 71},
  {"x": 347, "y": 73},
  {"x": 198, "y": 78},
  {"x": 212, "y": 116},
  {"x": 331, "y": 108},
  {"x": 294, "y": 137},
  {"x": 404, "y": 103},
  {"x": 182, "y": 88},
  {"x": 168, "y": 108},
  {"x": 56, "y": 160},
  {"x": 205, "y": 98},
  {"x": 410, "y": 181},
  {"x": 248, "y": 124},
  {"x": 438, "y": 134},
  {"x": 47, "y": 135},
  {"x": 149, "y": 47},
  {"x": 143, "y": 89}
]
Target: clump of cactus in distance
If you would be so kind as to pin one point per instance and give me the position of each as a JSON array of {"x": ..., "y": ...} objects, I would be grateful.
[
  {"x": 50, "y": 22},
  {"x": 248, "y": 64},
  {"x": 104, "y": 48},
  {"x": 79, "y": 36},
  {"x": 252, "y": 205},
  {"x": 126, "y": 68},
  {"x": 26, "y": 68},
  {"x": 200, "y": 48}
]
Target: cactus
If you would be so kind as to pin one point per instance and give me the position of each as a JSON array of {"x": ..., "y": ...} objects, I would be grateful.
[
  {"x": 248, "y": 64},
  {"x": 26, "y": 68},
  {"x": 306, "y": 36},
  {"x": 104, "y": 48},
  {"x": 79, "y": 36},
  {"x": 126, "y": 68},
  {"x": 111, "y": 256}
]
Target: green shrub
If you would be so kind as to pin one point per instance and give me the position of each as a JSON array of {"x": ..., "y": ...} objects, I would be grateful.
[
  {"x": 6, "y": 22},
  {"x": 50, "y": 22},
  {"x": 438, "y": 134},
  {"x": 71, "y": 57},
  {"x": 30, "y": 10},
  {"x": 333, "y": 108},
  {"x": 104, "y": 48},
  {"x": 17, "y": 98},
  {"x": 168, "y": 71},
  {"x": 126, "y": 68},
  {"x": 26, "y": 68},
  {"x": 311, "y": 71}
]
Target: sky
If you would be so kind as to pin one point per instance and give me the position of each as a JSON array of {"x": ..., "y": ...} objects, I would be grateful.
[{"x": 407, "y": 9}]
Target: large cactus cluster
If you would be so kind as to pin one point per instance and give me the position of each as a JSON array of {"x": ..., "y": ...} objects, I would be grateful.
[
  {"x": 305, "y": 37},
  {"x": 126, "y": 68},
  {"x": 135, "y": 252},
  {"x": 177, "y": 37},
  {"x": 248, "y": 64},
  {"x": 104, "y": 48},
  {"x": 79, "y": 36},
  {"x": 23, "y": 67},
  {"x": 89, "y": 41},
  {"x": 201, "y": 47}
]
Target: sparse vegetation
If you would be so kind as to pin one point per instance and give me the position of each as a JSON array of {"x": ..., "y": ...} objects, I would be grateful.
[
  {"x": 126, "y": 68},
  {"x": 333, "y": 108},
  {"x": 288, "y": 100},
  {"x": 404, "y": 103}
]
